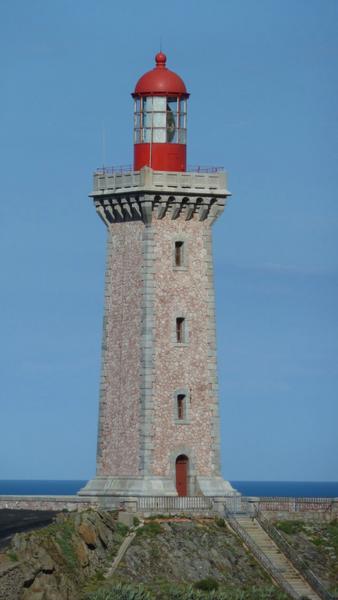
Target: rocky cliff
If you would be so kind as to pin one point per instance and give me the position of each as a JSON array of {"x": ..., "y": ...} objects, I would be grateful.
[
  {"x": 54, "y": 563},
  {"x": 70, "y": 559}
]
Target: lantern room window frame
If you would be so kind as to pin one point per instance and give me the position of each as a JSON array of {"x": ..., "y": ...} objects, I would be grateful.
[{"x": 154, "y": 117}]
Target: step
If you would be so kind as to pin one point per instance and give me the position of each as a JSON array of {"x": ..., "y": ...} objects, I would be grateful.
[{"x": 276, "y": 557}]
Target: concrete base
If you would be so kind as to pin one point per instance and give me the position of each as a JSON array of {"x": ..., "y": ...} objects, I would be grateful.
[
  {"x": 122, "y": 487},
  {"x": 214, "y": 486},
  {"x": 129, "y": 486}
]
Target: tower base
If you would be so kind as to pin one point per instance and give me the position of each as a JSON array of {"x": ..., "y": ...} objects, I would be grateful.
[{"x": 154, "y": 486}]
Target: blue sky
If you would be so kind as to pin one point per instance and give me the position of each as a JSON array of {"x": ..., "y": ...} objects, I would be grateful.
[{"x": 263, "y": 80}]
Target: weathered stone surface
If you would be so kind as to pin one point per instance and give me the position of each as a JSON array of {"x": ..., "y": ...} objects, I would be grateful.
[
  {"x": 186, "y": 551},
  {"x": 88, "y": 534},
  {"x": 53, "y": 563},
  {"x": 143, "y": 366}
]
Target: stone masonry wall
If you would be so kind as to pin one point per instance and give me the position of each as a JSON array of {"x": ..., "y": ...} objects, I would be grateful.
[
  {"x": 186, "y": 367},
  {"x": 58, "y": 503},
  {"x": 120, "y": 376}
]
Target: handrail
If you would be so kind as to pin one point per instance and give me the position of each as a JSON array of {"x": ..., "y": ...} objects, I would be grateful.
[
  {"x": 287, "y": 549},
  {"x": 261, "y": 557},
  {"x": 128, "y": 168}
]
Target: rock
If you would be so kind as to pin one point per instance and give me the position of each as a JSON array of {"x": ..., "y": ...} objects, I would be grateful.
[
  {"x": 81, "y": 553},
  {"x": 88, "y": 534},
  {"x": 126, "y": 518}
]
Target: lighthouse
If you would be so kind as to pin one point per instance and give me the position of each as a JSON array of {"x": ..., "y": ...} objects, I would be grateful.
[{"x": 158, "y": 431}]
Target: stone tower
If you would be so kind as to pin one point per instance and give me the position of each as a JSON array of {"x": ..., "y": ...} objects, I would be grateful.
[{"x": 158, "y": 429}]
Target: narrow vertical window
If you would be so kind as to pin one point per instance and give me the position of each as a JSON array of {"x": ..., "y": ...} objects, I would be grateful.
[
  {"x": 180, "y": 330},
  {"x": 179, "y": 254},
  {"x": 180, "y": 406}
]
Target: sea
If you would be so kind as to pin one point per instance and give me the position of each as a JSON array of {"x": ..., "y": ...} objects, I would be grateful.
[{"x": 294, "y": 489}]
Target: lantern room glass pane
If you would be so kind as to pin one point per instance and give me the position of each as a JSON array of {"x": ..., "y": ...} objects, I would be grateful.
[
  {"x": 182, "y": 136},
  {"x": 159, "y": 119},
  {"x": 147, "y": 119},
  {"x": 137, "y": 120},
  {"x": 159, "y": 103},
  {"x": 172, "y": 104},
  {"x": 147, "y": 135},
  {"x": 147, "y": 104},
  {"x": 159, "y": 135},
  {"x": 183, "y": 106},
  {"x": 171, "y": 120}
]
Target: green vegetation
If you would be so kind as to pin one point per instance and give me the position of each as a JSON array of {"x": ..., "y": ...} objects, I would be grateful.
[
  {"x": 12, "y": 556},
  {"x": 122, "y": 529},
  {"x": 120, "y": 592},
  {"x": 316, "y": 542},
  {"x": 207, "y": 585},
  {"x": 290, "y": 527},
  {"x": 62, "y": 533},
  {"x": 64, "y": 539},
  {"x": 328, "y": 537},
  {"x": 220, "y": 522},
  {"x": 150, "y": 529},
  {"x": 136, "y": 521},
  {"x": 127, "y": 592}
]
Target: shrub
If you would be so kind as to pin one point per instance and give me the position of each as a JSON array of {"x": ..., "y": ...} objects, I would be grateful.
[
  {"x": 12, "y": 555},
  {"x": 206, "y": 585},
  {"x": 122, "y": 529},
  {"x": 220, "y": 522},
  {"x": 119, "y": 592},
  {"x": 150, "y": 529},
  {"x": 290, "y": 527}
]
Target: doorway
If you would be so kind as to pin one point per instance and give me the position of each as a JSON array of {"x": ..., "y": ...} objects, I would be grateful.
[{"x": 182, "y": 464}]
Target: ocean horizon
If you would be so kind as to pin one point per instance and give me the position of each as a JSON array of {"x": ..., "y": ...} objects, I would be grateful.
[{"x": 60, "y": 487}]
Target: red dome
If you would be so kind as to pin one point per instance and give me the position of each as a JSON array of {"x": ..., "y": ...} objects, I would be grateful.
[{"x": 160, "y": 81}]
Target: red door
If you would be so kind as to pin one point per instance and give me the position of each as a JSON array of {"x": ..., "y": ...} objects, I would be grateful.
[{"x": 182, "y": 475}]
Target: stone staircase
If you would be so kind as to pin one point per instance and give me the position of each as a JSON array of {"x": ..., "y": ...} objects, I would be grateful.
[{"x": 295, "y": 583}]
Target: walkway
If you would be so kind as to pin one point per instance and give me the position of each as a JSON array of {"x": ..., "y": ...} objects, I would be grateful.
[{"x": 295, "y": 583}]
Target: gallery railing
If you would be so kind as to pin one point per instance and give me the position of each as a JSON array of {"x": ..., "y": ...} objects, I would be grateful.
[{"x": 128, "y": 168}]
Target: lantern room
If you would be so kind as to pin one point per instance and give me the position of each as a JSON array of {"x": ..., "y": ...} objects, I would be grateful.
[{"x": 160, "y": 119}]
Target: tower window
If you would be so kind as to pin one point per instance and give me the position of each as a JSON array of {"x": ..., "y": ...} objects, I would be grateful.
[
  {"x": 179, "y": 257},
  {"x": 180, "y": 329},
  {"x": 181, "y": 407}
]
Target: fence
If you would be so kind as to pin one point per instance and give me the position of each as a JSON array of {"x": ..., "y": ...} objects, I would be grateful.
[
  {"x": 174, "y": 503},
  {"x": 297, "y": 504},
  {"x": 128, "y": 168},
  {"x": 292, "y": 555},
  {"x": 261, "y": 557}
]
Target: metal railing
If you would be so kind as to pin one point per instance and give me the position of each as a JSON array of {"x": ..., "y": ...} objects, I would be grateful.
[
  {"x": 200, "y": 169},
  {"x": 128, "y": 168},
  {"x": 291, "y": 504},
  {"x": 114, "y": 170},
  {"x": 260, "y": 556},
  {"x": 173, "y": 503},
  {"x": 291, "y": 554}
]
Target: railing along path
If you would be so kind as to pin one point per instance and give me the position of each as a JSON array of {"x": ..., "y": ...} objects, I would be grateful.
[
  {"x": 290, "y": 553},
  {"x": 261, "y": 557}
]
